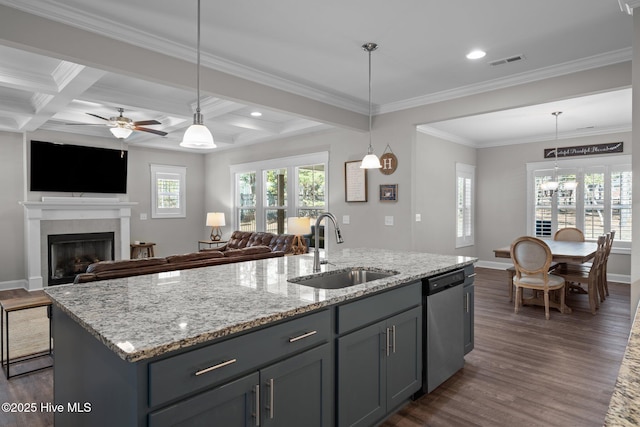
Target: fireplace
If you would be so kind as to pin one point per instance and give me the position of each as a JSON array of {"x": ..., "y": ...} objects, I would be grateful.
[{"x": 71, "y": 254}]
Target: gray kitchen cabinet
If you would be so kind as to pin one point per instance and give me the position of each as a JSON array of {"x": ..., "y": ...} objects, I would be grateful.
[
  {"x": 469, "y": 293},
  {"x": 294, "y": 392},
  {"x": 379, "y": 367}
]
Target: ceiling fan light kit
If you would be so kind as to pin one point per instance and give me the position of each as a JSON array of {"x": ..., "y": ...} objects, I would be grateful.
[
  {"x": 197, "y": 135},
  {"x": 120, "y": 132}
]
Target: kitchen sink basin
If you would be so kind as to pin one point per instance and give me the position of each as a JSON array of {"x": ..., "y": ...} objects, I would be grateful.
[{"x": 342, "y": 278}]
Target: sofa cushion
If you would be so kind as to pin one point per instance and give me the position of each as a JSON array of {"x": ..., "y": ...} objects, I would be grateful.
[
  {"x": 194, "y": 256},
  {"x": 282, "y": 243},
  {"x": 124, "y": 264},
  {"x": 260, "y": 239},
  {"x": 253, "y": 250},
  {"x": 238, "y": 239}
]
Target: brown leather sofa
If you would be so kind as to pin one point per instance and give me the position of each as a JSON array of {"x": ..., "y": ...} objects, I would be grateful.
[{"x": 242, "y": 246}]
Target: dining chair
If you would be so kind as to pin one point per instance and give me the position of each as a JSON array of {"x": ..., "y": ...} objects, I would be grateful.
[
  {"x": 609, "y": 245},
  {"x": 569, "y": 234},
  {"x": 531, "y": 258},
  {"x": 589, "y": 275}
]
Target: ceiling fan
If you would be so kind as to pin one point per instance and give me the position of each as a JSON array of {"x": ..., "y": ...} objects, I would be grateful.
[{"x": 121, "y": 127}]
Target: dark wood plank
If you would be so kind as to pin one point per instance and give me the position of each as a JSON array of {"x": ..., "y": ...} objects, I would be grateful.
[{"x": 524, "y": 370}]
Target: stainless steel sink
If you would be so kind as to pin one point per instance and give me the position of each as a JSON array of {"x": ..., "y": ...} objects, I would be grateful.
[{"x": 342, "y": 278}]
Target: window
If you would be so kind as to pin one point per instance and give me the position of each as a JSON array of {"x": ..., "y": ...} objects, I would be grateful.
[
  {"x": 168, "y": 188},
  {"x": 464, "y": 204},
  {"x": 268, "y": 192},
  {"x": 601, "y": 201}
]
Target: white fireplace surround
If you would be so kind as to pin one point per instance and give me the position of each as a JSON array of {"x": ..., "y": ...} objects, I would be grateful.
[{"x": 70, "y": 208}]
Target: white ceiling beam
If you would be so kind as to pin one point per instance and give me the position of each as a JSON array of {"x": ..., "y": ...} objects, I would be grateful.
[{"x": 37, "y": 34}]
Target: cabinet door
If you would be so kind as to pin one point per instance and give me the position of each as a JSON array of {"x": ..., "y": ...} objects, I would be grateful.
[
  {"x": 362, "y": 376},
  {"x": 469, "y": 293},
  {"x": 230, "y": 405},
  {"x": 298, "y": 391},
  {"x": 404, "y": 360}
]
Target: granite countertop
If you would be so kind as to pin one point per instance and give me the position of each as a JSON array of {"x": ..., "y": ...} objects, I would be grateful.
[
  {"x": 145, "y": 316},
  {"x": 624, "y": 407}
]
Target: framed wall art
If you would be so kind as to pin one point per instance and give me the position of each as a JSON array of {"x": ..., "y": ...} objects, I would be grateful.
[
  {"x": 389, "y": 192},
  {"x": 355, "y": 182}
]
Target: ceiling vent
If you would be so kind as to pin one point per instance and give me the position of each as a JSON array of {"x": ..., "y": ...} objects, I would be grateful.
[{"x": 508, "y": 60}]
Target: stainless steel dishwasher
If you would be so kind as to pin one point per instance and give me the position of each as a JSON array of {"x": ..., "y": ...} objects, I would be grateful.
[{"x": 443, "y": 326}]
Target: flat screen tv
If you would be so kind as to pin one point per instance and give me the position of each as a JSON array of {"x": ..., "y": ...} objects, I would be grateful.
[{"x": 77, "y": 169}]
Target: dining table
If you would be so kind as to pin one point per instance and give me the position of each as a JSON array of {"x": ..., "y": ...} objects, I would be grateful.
[{"x": 561, "y": 251}]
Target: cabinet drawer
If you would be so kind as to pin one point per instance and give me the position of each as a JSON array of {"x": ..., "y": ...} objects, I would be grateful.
[
  {"x": 194, "y": 370},
  {"x": 371, "y": 309}
]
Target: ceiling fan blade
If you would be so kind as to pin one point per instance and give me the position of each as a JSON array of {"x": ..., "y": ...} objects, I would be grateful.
[
  {"x": 84, "y": 124},
  {"x": 157, "y": 132},
  {"x": 146, "y": 122},
  {"x": 95, "y": 115}
]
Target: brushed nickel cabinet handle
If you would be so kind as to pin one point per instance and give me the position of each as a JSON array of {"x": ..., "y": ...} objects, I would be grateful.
[
  {"x": 271, "y": 402},
  {"x": 472, "y": 275},
  {"x": 257, "y": 413},
  {"x": 393, "y": 331},
  {"x": 387, "y": 337},
  {"x": 214, "y": 367},
  {"x": 303, "y": 336},
  {"x": 466, "y": 302}
]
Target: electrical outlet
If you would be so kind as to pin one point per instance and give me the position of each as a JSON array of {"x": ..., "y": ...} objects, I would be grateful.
[
  {"x": 346, "y": 219},
  {"x": 418, "y": 217},
  {"x": 388, "y": 220},
  {"x": 143, "y": 216}
]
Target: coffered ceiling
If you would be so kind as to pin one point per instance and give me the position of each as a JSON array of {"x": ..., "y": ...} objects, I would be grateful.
[{"x": 313, "y": 50}]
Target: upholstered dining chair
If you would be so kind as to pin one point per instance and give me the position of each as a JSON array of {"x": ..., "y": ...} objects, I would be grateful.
[
  {"x": 531, "y": 258},
  {"x": 589, "y": 275},
  {"x": 569, "y": 234}
]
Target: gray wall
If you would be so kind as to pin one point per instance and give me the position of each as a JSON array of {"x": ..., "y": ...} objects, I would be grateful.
[
  {"x": 170, "y": 235},
  {"x": 12, "y": 262}
]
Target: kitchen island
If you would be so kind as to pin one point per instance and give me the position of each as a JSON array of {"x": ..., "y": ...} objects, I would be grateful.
[{"x": 120, "y": 345}]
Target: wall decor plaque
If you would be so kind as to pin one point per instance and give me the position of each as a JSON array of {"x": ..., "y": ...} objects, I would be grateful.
[
  {"x": 389, "y": 192},
  {"x": 584, "y": 150},
  {"x": 355, "y": 182},
  {"x": 389, "y": 161}
]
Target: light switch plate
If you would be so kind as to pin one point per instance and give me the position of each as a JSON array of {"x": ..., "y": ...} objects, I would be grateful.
[
  {"x": 418, "y": 217},
  {"x": 388, "y": 220},
  {"x": 346, "y": 219},
  {"x": 143, "y": 216}
]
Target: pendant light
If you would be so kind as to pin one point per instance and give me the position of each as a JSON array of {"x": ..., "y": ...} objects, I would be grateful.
[
  {"x": 197, "y": 135},
  {"x": 550, "y": 187},
  {"x": 370, "y": 161}
]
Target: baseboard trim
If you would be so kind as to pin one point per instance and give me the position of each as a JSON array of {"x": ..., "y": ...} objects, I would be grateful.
[
  {"x": 611, "y": 277},
  {"x": 13, "y": 284}
]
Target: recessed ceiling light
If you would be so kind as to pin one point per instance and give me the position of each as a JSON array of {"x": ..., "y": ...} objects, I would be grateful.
[
  {"x": 256, "y": 113},
  {"x": 476, "y": 54}
]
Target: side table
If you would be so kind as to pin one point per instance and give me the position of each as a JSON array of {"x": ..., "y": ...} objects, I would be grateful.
[
  {"x": 16, "y": 304},
  {"x": 142, "y": 250},
  {"x": 211, "y": 242}
]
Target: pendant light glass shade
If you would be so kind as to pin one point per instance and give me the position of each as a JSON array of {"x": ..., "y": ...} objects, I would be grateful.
[
  {"x": 197, "y": 135},
  {"x": 370, "y": 161}
]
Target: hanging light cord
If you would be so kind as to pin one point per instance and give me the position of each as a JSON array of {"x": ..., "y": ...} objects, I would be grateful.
[
  {"x": 198, "y": 62},
  {"x": 370, "y": 150}
]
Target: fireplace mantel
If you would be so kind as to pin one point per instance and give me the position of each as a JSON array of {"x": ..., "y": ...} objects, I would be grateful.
[{"x": 69, "y": 208}]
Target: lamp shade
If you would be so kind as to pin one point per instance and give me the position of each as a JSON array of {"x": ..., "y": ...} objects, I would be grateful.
[
  {"x": 120, "y": 132},
  {"x": 298, "y": 226},
  {"x": 198, "y": 136},
  {"x": 215, "y": 219}
]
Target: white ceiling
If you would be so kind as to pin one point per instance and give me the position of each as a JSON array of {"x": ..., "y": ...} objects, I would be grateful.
[{"x": 313, "y": 49}]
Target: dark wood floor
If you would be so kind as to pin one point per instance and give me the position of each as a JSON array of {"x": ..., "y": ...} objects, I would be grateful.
[{"x": 524, "y": 370}]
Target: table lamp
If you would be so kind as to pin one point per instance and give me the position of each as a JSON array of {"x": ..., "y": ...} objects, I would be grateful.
[
  {"x": 298, "y": 226},
  {"x": 215, "y": 220}
]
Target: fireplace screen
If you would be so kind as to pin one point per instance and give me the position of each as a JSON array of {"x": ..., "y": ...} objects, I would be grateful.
[{"x": 71, "y": 254}]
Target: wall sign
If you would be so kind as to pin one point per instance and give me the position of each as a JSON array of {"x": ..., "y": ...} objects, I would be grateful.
[
  {"x": 355, "y": 182},
  {"x": 389, "y": 161},
  {"x": 584, "y": 150}
]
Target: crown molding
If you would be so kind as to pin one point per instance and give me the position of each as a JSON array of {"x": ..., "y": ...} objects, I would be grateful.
[{"x": 596, "y": 61}]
